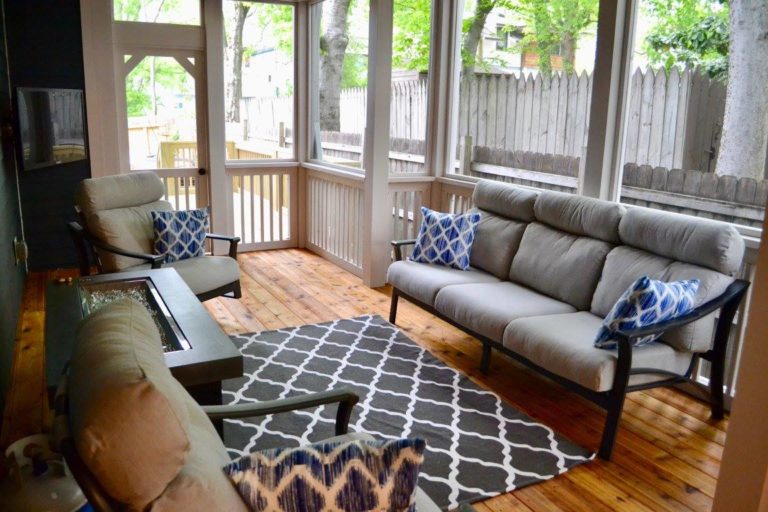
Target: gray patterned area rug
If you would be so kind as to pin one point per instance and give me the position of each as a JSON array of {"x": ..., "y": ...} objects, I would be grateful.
[{"x": 477, "y": 445}]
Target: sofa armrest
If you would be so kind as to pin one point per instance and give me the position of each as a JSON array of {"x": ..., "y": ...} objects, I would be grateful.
[
  {"x": 398, "y": 246},
  {"x": 233, "y": 241},
  {"x": 345, "y": 398},
  {"x": 156, "y": 260},
  {"x": 732, "y": 294}
]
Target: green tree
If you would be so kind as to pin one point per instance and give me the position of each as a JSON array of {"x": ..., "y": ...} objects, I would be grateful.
[
  {"x": 688, "y": 32},
  {"x": 554, "y": 26},
  {"x": 411, "y": 34}
]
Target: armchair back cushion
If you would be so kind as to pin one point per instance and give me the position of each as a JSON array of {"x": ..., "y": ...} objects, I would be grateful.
[
  {"x": 116, "y": 210},
  {"x": 137, "y": 429}
]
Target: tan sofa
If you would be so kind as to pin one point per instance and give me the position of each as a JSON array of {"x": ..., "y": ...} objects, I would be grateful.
[
  {"x": 547, "y": 267},
  {"x": 132, "y": 435}
]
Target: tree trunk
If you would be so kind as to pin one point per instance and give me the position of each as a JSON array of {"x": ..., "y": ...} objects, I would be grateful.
[
  {"x": 475, "y": 34},
  {"x": 333, "y": 46},
  {"x": 568, "y": 52},
  {"x": 745, "y": 124},
  {"x": 235, "y": 85}
]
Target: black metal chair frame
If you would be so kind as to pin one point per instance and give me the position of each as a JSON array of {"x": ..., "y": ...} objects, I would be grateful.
[
  {"x": 613, "y": 400},
  {"x": 101, "y": 501},
  {"x": 85, "y": 245}
]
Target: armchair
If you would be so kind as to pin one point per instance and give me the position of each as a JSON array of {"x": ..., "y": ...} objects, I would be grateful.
[
  {"x": 134, "y": 439},
  {"x": 116, "y": 233}
]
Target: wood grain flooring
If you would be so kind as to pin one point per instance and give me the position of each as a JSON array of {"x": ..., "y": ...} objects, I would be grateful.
[{"x": 668, "y": 451}]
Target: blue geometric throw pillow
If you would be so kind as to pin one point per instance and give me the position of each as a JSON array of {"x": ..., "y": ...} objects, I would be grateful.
[
  {"x": 180, "y": 234},
  {"x": 445, "y": 238},
  {"x": 354, "y": 476},
  {"x": 645, "y": 303}
]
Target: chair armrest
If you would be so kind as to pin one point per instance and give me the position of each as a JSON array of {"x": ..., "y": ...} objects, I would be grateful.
[
  {"x": 734, "y": 292},
  {"x": 156, "y": 260},
  {"x": 345, "y": 398},
  {"x": 233, "y": 241},
  {"x": 398, "y": 246}
]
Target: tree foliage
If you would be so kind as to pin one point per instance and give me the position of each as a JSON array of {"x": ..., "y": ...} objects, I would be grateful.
[
  {"x": 689, "y": 32},
  {"x": 411, "y": 37}
]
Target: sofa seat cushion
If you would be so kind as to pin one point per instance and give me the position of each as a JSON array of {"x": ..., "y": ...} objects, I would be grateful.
[
  {"x": 422, "y": 281},
  {"x": 564, "y": 345},
  {"x": 564, "y": 266},
  {"x": 624, "y": 265},
  {"x": 487, "y": 308},
  {"x": 204, "y": 273}
]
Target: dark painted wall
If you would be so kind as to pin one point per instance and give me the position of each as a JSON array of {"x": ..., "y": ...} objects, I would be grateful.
[
  {"x": 45, "y": 50},
  {"x": 11, "y": 276}
]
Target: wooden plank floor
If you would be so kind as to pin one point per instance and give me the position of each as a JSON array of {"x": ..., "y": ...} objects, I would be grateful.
[{"x": 668, "y": 452}]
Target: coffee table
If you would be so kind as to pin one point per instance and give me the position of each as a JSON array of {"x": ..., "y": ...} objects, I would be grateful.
[{"x": 210, "y": 358}]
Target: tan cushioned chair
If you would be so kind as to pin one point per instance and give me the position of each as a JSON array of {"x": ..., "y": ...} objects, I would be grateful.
[
  {"x": 132, "y": 435},
  {"x": 117, "y": 224}
]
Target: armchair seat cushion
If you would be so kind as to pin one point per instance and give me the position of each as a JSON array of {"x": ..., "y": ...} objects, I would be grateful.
[
  {"x": 487, "y": 308},
  {"x": 564, "y": 345},
  {"x": 422, "y": 281},
  {"x": 204, "y": 273}
]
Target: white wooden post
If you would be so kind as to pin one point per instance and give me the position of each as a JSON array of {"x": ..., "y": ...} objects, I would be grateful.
[
  {"x": 610, "y": 79},
  {"x": 376, "y": 219},
  {"x": 220, "y": 184}
]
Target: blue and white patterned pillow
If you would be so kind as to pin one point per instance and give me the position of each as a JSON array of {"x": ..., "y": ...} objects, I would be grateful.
[
  {"x": 445, "y": 239},
  {"x": 180, "y": 234},
  {"x": 645, "y": 303},
  {"x": 354, "y": 476}
]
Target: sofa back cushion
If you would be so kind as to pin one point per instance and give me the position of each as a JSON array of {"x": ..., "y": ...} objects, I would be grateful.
[
  {"x": 505, "y": 200},
  {"x": 129, "y": 228},
  {"x": 559, "y": 264},
  {"x": 578, "y": 215},
  {"x": 506, "y": 211},
  {"x": 497, "y": 240},
  {"x": 128, "y": 433},
  {"x": 626, "y": 264},
  {"x": 706, "y": 243}
]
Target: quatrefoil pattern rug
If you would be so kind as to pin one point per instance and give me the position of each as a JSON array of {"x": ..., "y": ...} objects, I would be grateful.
[{"x": 477, "y": 445}]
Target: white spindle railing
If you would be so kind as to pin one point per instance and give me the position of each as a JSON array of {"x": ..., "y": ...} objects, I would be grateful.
[
  {"x": 334, "y": 218},
  {"x": 185, "y": 189},
  {"x": 262, "y": 202}
]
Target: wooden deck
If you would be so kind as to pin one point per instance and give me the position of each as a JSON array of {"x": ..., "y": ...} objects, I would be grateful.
[{"x": 668, "y": 452}]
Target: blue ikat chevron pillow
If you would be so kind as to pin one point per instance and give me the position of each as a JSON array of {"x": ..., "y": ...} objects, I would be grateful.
[
  {"x": 445, "y": 239},
  {"x": 180, "y": 234},
  {"x": 354, "y": 476},
  {"x": 645, "y": 303}
]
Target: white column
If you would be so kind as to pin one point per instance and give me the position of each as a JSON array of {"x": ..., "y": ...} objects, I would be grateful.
[
  {"x": 220, "y": 184},
  {"x": 610, "y": 78},
  {"x": 377, "y": 217}
]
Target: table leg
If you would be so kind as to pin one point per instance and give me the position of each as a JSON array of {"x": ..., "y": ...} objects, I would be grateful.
[{"x": 209, "y": 394}]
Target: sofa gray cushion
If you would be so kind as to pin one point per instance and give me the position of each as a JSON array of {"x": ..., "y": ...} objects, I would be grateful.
[
  {"x": 704, "y": 242},
  {"x": 624, "y": 265},
  {"x": 580, "y": 215},
  {"x": 505, "y": 200},
  {"x": 422, "y": 281},
  {"x": 130, "y": 229},
  {"x": 564, "y": 345},
  {"x": 488, "y": 308},
  {"x": 564, "y": 266},
  {"x": 204, "y": 273},
  {"x": 496, "y": 242},
  {"x": 97, "y": 194}
]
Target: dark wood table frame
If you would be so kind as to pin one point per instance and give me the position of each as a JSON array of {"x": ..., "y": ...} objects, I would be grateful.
[{"x": 212, "y": 358}]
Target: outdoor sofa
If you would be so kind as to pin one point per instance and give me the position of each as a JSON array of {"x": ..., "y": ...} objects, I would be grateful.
[{"x": 547, "y": 267}]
